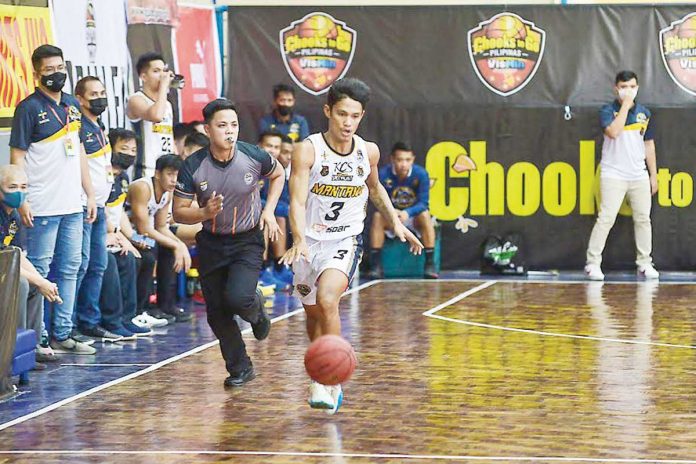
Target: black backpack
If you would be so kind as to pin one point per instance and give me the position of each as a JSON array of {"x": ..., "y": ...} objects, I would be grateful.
[{"x": 502, "y": 255}]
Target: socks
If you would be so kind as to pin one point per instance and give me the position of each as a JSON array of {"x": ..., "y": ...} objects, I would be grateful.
[
  {"x": 429, "y": 256},
  {"x": 375, "y": 257},
  {"x": 277, "y": 266}
]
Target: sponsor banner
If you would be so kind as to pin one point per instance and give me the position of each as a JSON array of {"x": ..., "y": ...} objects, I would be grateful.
[
  {"x": 197, "y": 59},
  {"x": 162, "y": 12},
  {"x": 92, "y": 34},
  {"x": 501, "y": 106},
  {"x": 317, "y": 50},
  {"x": 22, "y": 29}
]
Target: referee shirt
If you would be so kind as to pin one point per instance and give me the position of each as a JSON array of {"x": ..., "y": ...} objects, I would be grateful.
[{"x": 236, "y": 180}]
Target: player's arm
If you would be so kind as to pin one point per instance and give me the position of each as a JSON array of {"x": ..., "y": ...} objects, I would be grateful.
[
  {"x": 140, "y": 108},
  {"x": 380, "y": 198},
  {"x": 182, "y": 258},
  {"x": 301, "y": 165},
  {"x": 276, "y": 181}
]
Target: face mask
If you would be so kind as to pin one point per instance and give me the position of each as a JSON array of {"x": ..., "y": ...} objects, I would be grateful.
[
  {"x": 13, "y": 199},
  {"x": 284, "y": 110},
  {"x": 121, "y": 160},
  {"x": 97, "y": 106},
  {"x": 54, "y": 82},
  {"x": 623, "y": 93}
]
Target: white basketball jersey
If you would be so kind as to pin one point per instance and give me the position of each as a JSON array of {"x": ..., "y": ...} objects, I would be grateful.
[
  {"x": 157, "y": 138},
  {"x": 337, "y": 200},
  {"x": 152, "y": 204}
]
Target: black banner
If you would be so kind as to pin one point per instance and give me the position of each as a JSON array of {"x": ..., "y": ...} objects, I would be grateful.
[{"x": 501, "y": 106}]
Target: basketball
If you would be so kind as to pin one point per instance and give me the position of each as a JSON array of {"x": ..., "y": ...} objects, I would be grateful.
[
  {"x": 330, "y": 360},
  {"x": 508, "y": 27},
  {"x": 318, "y": 26}
]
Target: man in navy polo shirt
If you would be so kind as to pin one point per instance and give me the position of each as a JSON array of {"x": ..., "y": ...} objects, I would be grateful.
[
  {"x": 283, "y": 119},
  {"x": 628, "y": 169},
  {"x": 45, "y": 142}
]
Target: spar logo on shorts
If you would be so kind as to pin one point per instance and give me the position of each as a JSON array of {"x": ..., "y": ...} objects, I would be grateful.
[
  {"x": 303, "y": 289},
  {"x": 505, "y": 51},
  {"x": 317, "y": 50},
  {"x": 678, "y": 47}
]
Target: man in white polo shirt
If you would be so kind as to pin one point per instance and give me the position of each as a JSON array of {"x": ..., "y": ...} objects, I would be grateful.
[
  {"x": 628, "y": 169},
  {"x": 45, "y": 142}
]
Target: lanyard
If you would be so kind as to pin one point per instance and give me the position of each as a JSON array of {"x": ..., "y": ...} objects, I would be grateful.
[{"x": 67, "y": 117}]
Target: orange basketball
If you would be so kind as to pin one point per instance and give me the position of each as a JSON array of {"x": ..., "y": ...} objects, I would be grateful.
[{"x": 330, "y": 360}]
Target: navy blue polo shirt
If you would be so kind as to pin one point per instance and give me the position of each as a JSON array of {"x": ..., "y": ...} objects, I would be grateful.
[
  {"x": 11, "y": 230},
  {"x": 49, "y": 133},
  {"x": 98, "y": 152},
  {"x": 296, "y": 128}
]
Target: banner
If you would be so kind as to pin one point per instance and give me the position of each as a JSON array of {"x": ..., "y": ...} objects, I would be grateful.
[
  {"x": 198, "y": 59},
  {"x": 162, "y": 12},
  {"x": 92, "y": 34},
  {"x": 22, "y": 29},
  {"x": 501, "y": 106}
]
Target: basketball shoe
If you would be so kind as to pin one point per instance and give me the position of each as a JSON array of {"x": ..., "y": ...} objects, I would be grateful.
[
  {"x": 337, "y": 395},
  {"x": 320, "y": 397}
]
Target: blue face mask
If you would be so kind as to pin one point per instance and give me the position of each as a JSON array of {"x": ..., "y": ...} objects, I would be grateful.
[{"x": 14, "y": 199}]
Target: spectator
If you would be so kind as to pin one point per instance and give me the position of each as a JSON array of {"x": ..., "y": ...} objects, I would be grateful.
[
  {"x": 152, "y": 114},
  {"x": 45, "y": 142},
  {"x": 91, "y": 94},
  {"x": 149, "y": 199},
  {"x": 628, "y": 169},
  {"x": 118, "y": 299},
  {"x": 182, "y": 130},
  {"x": 276, "y": 274},
  {"x": 32, "y": 286},
  {"x": 283, "y": 118},
  {"x": 286, "y": 147},
  {"x": 193, "y": 143},
  {"x": 408, "y": 186}
]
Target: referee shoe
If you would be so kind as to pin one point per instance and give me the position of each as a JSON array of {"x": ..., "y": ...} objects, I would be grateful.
[{"x": 262, "y": 327}]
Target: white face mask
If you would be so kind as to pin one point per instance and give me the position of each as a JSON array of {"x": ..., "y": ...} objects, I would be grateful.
[{"x": 623, "y": 93}]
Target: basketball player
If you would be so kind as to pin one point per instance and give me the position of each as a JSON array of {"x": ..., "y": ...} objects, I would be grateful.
[
  {"x": 151, "y": 114},
  {"x": 332, "y": 175}
]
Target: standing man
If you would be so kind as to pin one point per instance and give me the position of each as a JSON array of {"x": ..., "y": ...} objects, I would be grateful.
[
  {"x": 333, "y": 173},
  {"x": 224, "y": 178},
  {"x": 152, "y": 114},
  {"x": 408, "y": 186},
  {"x": 45, "y": 142},
  {"x": 628, "y": 169},
  {"x": 283, "y": 118},
  {"x": 91, "y": 94}
]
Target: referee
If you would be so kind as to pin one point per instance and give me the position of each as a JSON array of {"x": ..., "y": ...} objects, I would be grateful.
[{"x": 224, "y": 179}]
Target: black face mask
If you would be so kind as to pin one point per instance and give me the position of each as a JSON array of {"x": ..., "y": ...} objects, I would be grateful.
[
  {"x": 54, "y": 82},
  {"x": 97, "y": 106},
  {"x": 121, "y": 160},
  {"x": 284, "y": 110}
]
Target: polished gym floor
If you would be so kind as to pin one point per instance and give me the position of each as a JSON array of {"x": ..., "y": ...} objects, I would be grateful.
[{"x": 467, "y": 371}]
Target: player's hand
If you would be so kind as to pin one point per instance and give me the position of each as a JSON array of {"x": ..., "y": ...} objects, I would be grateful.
[
  {"x": 182, "y": 259},
  {"x": 166, "y": 77},
  {"x": 213, "y": 206},
  {"x": 269, "y": 226},
  {"x": 112, "y": 239},
  {"x": 405, "y": 235},
  {"x": 49, "y": 290},
  {"x": 91, "y": 210},
  {"x": 298, "y": 251},
  {"x": 403, "y": 216},
  {"x": 127, "y": 247},
  {"x": 26, "y": 214},
  {"x": 653, "y": 185}
]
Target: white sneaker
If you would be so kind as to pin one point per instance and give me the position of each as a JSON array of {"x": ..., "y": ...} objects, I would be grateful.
[
  {"x": 320, "y": 396},
  {"x": 337, "y": 395},
  {"x": 147, "y": 321},
  {"x": 594, "y": 272},
  {"x": 648, "y": 272}
]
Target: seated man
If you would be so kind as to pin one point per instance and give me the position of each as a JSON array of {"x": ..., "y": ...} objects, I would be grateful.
[
  {"x": 193, "y": 143},
  {"x": 33, "y": 288},
  {"x": 408, "y": 186},
  {"x": 150, "y": 199},
  {"x": 278, "y": 274},
  {"x": 118, "y": 299},
  {"x": 284, "y": 119}
]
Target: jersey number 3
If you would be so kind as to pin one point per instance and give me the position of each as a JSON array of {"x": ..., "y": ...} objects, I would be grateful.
[{"x": 336, "y": 208}]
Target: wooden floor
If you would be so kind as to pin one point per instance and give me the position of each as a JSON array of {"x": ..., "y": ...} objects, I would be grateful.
[{"x": 493, "y": 372}]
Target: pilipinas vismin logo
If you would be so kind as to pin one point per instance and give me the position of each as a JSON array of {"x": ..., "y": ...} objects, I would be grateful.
[
  {"x": 317, "y": 50},
  {"x": 678, "y": 47},
  {"x": 505, "y": 52}
]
